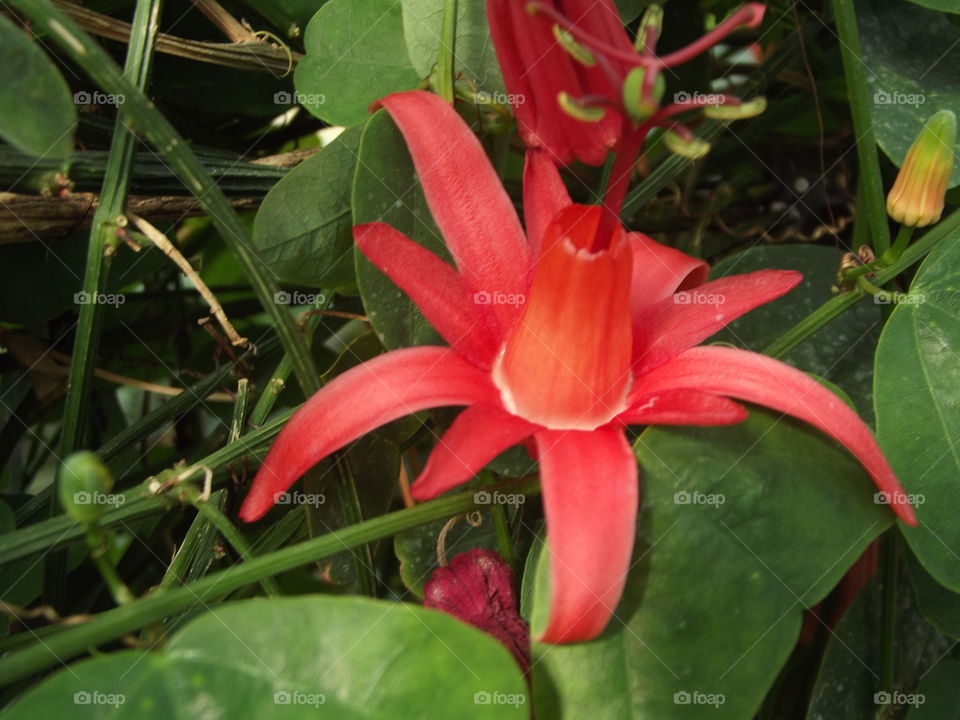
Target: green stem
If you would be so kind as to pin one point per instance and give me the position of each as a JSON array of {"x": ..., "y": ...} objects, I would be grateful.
[
  {"x": 115, "y": 623},
  {"x": 239, "y": 410},
  {"x": 836, "y": 306},
  {"x": 108, "y": 217},
  {"x": 99, "y": 546},
  {"x": 447, "y": 52},
  {"x": 233, "y": 536},
  {"x": 62, "y": 531},
  {"x": 865, "y": 139},
  {"x": 899, "y": 245},
  {"x": 140, "y": 112}
]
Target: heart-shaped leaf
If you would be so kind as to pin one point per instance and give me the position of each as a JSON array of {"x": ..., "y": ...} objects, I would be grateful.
[{"x": 303, "y": 657}]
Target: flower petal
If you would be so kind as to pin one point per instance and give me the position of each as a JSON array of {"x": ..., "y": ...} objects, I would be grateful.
[
  {"x": 683, "y": 407},
  {"x": 659, "y": 271},
  {"x": 755, "y": 378},
  {"x": 465, "y": 195},
  {"x": 544, "y": 196},
  {"x": 674, "y": 324},
  {"x": 590, "y": 496},
  {"x": 436, "y": 288},
  {"x": 477, "y": 436},
  {"x": 361, "y": 399}
]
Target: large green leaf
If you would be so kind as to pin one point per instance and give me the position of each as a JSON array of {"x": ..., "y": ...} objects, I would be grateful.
[
  {"x": 302, "y": 231},
  {"x": 355, "y": 55},
  {"x": 304, "y": 657},
  {"x": 37, "y": 113},
  {"x": 950, "y": 6},
  {"x": 474, "y": 56},
  {"x": 385, "y": 189},
  {"x": 841, "y": 352},
  {"x": 714, "y": 600},
  {"x": 917, "y": 397},
  {"x": 910, "y": 55}
]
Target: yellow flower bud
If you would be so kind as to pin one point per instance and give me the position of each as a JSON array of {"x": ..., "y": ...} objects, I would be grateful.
[{"x": 916, "y": 198}]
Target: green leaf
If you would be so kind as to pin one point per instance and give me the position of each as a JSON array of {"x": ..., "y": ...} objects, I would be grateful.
[
  {"x": 475, "y": 57},
  {"x": 355, "y": 55},
  {"x": 37, "y": 113},
  {"x": 842, "y": 351},
  {"x": 714, "y": 601},
  {"x": 911, "y": 55},
  {"x": 302, "y": 231},
  {"x": 917, "y": 397},
  {"x": 304, "y": 657},
  {"x": 384, "y": 191},
  {"x": 939, "y": 693}
]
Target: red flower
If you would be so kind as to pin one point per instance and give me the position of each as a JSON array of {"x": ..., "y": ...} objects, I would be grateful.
[
  {"x": 563, "y": 337},
  {"x": 582, "y": 88},
  {"x": 536, "y": 69}
]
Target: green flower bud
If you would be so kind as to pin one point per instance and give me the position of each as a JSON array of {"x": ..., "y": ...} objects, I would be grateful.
[{"x": 84, "y": 484}]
